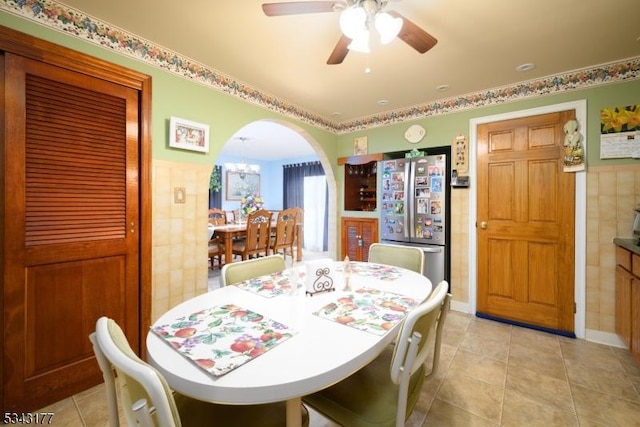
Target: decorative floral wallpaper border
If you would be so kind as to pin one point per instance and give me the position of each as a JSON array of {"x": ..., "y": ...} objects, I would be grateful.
[{"x": 68, "y": 20}]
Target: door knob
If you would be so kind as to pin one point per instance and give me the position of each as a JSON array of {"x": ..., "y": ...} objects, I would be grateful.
[{"x": 483, "y": 225}]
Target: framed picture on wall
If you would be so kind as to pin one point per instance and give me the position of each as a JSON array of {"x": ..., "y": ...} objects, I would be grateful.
[
  {"x": 241, "y": 184},
  {"x": 188, "y": 135},
  {"x": 360, "y": 146}
]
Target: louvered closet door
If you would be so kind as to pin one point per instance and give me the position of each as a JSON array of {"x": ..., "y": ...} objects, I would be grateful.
[{"x": 71, "y": 231}]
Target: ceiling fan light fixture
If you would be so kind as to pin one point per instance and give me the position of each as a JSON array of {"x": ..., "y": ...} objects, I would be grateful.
[
  {"x": 387, "y": 26},
  {"x": 360, "y": 43},
  {"x": 353, "y": 21}
]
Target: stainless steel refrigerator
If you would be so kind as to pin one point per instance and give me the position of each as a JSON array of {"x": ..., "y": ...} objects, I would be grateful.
[{"x": 414, "y": 207}]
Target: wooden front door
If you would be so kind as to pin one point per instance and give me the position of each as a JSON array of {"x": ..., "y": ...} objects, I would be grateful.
[
  {"x": 525, "y": 222},
  {"x": 71, "y": 226}
]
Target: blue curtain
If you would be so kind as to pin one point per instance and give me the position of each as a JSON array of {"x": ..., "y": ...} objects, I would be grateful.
[{"x": 293, "y": 189}]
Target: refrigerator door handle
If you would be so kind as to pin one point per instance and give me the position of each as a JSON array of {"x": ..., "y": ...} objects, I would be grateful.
[{"x": 408, "y": 205}]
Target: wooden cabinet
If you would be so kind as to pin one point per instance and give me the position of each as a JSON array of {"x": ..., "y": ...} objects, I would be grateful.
[
  {"x": 635, "y": 318},
  {"x": 624, "y": 281},
  {"x": 628, "y": 299},
  {"x": 360, "y": 182},
  {"x": 357, "y": 235}
]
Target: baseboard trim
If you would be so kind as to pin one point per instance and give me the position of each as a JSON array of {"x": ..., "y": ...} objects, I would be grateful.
[
  {"x": 462, "y": 307},
  {"x": 591, "y": 335},
  {"x": 607, "y": 338}
]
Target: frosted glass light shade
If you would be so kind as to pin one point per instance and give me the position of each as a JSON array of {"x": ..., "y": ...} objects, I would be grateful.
[
  {"x": 387, "y": 26},
  {"x": 361, "y": 42},
  {"x": 353, "y": 21},
  {"x": 242, "y": 167}
]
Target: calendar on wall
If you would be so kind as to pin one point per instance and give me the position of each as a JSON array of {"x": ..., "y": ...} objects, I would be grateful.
[
  {"x": 620, "y": 132},
  {"x": 460, "y": 153}
]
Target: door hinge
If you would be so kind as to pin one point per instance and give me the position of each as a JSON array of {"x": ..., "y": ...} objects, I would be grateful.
[{"x": 575, "y": 308}]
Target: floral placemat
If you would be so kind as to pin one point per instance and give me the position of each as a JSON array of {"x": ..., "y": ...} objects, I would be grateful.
[
  {"x": 369, "y": 310},
  {"x": 220, "y": 339},
  {"x": 371, "y": 269},
  {"x": 270, "y": 285}
]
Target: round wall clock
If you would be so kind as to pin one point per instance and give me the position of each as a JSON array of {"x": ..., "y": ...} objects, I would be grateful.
[{"x": 414, "y": 134}]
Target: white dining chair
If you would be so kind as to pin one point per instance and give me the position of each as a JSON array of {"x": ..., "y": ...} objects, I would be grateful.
[
  {"x": 239, "y": 271},
  {"x": 148, "y": 401},
  {"x": 385, "y": 392},
  {"x": 409, "y": 257}
]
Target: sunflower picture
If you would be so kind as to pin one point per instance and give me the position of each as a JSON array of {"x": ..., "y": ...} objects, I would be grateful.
[{"x": 620, "y": 119}]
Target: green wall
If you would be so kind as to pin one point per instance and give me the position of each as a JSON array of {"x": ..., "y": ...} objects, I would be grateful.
[
  {"x": 441, "y": 130},
  {"x": 176, "y": 96}
]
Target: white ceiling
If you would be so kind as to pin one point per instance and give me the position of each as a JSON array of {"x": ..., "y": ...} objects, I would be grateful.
[
  {"x": 480, "y": 44},
  {"x": 267, "y": 140}
]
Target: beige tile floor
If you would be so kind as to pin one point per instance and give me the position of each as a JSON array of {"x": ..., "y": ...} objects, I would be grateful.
[{"x": 491, "y": 374}]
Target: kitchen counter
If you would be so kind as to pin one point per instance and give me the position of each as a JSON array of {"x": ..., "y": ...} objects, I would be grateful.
[{"x": 630, "y": 244}]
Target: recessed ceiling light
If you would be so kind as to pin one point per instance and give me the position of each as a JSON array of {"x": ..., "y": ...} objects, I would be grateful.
[
  {"x": 442, "y": 88},
  {"x": 525, "y": 67},
  {"x": 383, "y": 102},
  {"x": 335, "y": 114}
]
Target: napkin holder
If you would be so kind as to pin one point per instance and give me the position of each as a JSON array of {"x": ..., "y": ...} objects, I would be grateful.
[{"x": 320, "y": 277}]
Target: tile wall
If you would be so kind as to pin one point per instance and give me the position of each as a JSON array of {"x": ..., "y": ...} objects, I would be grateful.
[
  {"x": 180, "y": 265},
  {"x": 180, "y": 254},
  {"x": 612, "y": 194},
  {"x": 459, "y": 263}
]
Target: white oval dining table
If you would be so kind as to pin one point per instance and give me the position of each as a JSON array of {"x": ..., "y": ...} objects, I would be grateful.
[{"x": 322, "y": 353}]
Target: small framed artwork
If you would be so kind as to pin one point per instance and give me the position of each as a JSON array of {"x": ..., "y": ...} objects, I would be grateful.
[
  {"x": 188, "y": 135},
  {"x": 360, "y": 146},
  {"x": 239, "y": 185}
]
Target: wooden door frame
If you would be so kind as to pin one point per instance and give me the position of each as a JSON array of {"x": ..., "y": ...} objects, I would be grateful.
[
  {"x": 50, "y": 53},
  {"x": 580, "y": 108}
]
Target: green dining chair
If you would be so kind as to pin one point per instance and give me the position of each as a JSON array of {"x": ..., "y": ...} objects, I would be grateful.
[
  {"x": 409, "y": 257},
  {"x": 148, "y": 401},
  {"x": 384, "y": 393},
  {"x": 235, "y": 272}
]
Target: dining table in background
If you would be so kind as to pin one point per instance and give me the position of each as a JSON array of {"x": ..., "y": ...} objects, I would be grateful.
[
  {"x": 228, "y": 232},
  {"x": 321, "y": 352}
]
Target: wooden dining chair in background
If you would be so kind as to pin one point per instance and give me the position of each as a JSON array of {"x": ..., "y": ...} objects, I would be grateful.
[
  {"x": 299, "y": 237},
  {"x": 236, "y": 272},
  {"x": 235, "y": 214},
  {"x": 285, "y": 233},
  {"x": 229, "y": 216},
  {"x": 258, "y": 236},
  {"x": 217, "y": 216},
  {"x": 216, "y": 246},
  {"x": 409, "y": 257},
  {"x": 385, "y": 392},
  {"x": 148, "y": 401}
]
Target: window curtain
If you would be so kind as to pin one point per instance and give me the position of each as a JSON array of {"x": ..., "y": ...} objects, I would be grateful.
[
  {"x": 294, "y": 194},
  {"x": 215, "y": 197},
  {"x": 315, "y": 196}
]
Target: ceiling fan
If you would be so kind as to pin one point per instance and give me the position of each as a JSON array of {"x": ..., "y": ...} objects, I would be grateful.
[{"x": 357, "y": 17}]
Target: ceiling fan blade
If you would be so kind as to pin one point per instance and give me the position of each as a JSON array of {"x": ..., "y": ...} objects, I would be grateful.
[
  {"x": 299, "y": 7},
  {"x": 413, "y": 35},
  {"x": 340, "y": 51}
]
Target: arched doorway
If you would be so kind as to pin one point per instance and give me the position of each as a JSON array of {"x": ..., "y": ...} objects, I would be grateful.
[{"x": 272, "y": 142}]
